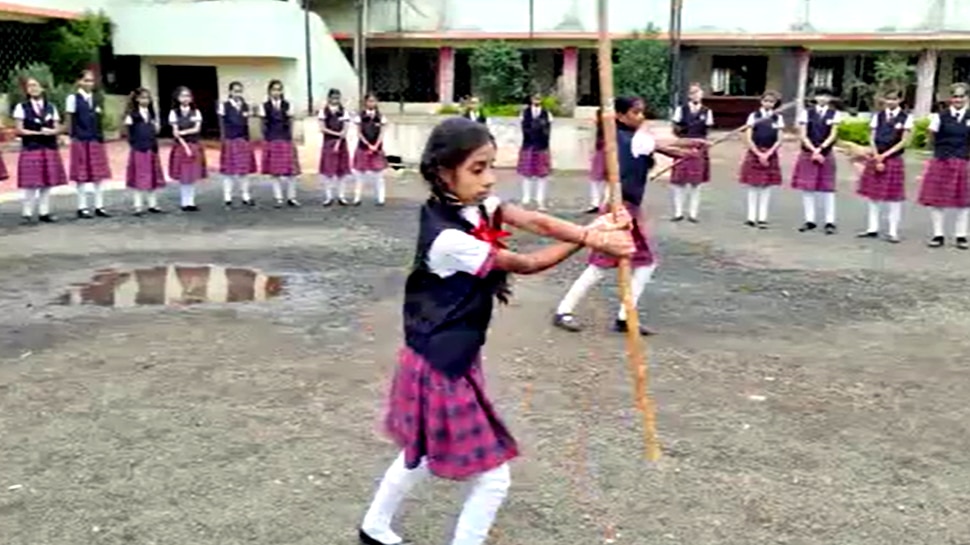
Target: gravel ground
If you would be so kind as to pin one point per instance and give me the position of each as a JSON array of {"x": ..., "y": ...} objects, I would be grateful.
[{"x": 810, "y": 389}]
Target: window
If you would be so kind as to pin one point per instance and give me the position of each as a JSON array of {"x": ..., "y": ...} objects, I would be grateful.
[{"x": 737, "y": 75}]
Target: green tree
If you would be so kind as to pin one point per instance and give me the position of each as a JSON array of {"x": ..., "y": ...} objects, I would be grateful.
[
  {"x": 14, "y": 85},
  {"x": 75, "y": 45},
  {"x": 892, "y": 72},
  {"x": 641, "y": 69},
  {"x": 498, "y": 72}
]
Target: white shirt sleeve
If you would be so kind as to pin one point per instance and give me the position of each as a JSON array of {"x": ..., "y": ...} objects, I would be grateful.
[
  {"x": 710, "y": 117},
  {"x": 837, "y": 117},
  {"x": 357, "y": 119},
  {"x": 70, "y": 104},
  {"x": 780, "y": 123},
  {"x": 550, "y": 117},
  {"x": 18, "y": 112},
  {"x": 802, "y": 117},
  {"x": 934, "y": 122},
  {"x": 455, "y": 251},
  {"x": 909, "y": 124},
  {"x": 221, "y": 108},
  {"x": 751, "y": 120},
  {"x": 874, "y": 121},
  {"x": 322, "y": 114},
  {"x": 491, "y": 204},
  {"x": 172, "y": 118},
  {"x": 129, "y": 121},
  {"x": 197, "y": 117},
  {"x": 643, "y": 143},
  {"x": 55, "y": 114},
  {"x": 677, "y": 115}
]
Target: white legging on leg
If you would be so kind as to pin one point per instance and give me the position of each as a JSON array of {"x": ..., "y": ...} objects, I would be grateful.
[{"x": 641, "y": 277}]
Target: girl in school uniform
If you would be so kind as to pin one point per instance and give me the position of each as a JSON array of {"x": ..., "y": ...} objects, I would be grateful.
[
  {"x": 460, "y": 268},
  {"x": 597, "y": 169},
  {"x": 883, "y": 180},
  {"x": 473, "y": 110},
  {"x": 814, "y": 173},
  {"x": 237, "y": 161},
  {"x": 40, "y": 167},
  {"x": 944, "y": 182},
  {"x": 691, "y": 121},
  {"x": 760, "y": 170},
  {"x": 280, "y": 160},
  {"x": 144, "y": 174},
  {"x": 369, "y": 160},
  {"x": 89, "y": 161},
  {"x": 535, "y": 162},
  {"x": 186, "y": 163},
  {"x": 334, "y": 155}
]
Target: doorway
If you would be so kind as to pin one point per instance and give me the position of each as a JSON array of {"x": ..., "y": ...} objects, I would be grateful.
[{"x": 204, "y": 83}]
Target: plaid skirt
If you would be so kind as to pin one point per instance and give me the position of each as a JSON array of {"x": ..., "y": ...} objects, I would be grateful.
[
  {"x": 597, "y": 167},
  {"x": 888, "y": 185},
  {"x": 236, "y": 158},
  {"x": 945, "y": 184},
  {"x": 692, "y": 170},
  {"x": 812, "y": 176},
  {"x": 641, "y": 257},
  {"x": 450, "y": 422},
  {"x": 366, "y": 160},
  {"x": 89, "y": 162},
  {"x": 334, "y": 163},
  {"x": 754, "y": 174},
  {"x": 534, "y": 163},
  {"x": 40, "y": 168},
  {"x": 4, "y": 175},
  {"x": 185, "y": 168},
  {"x": 280, "y": 158},
  {"x": 144, "y": 171}
]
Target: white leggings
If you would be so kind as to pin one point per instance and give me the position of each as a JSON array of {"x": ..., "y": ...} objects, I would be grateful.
[
  {"x": 591, "y": 276},
  {"x": 39, "y": 199}
]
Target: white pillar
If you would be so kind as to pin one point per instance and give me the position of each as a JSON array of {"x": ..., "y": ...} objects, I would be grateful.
[
  {"x": 802, "y": 58},
  {"x": 925, "y": 82}
]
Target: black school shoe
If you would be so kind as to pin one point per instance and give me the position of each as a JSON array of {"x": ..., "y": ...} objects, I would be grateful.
[
  {"x": 292, "y": 203},
  {"x": 830, "y": 229},
  {"x": 936, "y": 242},
  {"x": 962, "y": 243},
  {"x": 676, "y": 219},
  {"x": 101, "y": 213},
  {"x": 249, "y": 203},
  {"x": 192, "y": 208},
  {"x": 566, "y": 322},
  {"x": 692, "y": 219},
  {"x": 762, "y": 225},
  {"x": 84, "y": 214},
  {"x": 155, "y": 210},
  {"x": 621, "y": 326},
  {"x": 807, "y": 226},
  {"x": 592, "y": 210},
  {"x": 868, "y": 234},
  {"x": 47, "y": 218},
  {"x": 750, "y": 223},
  {"x": 368, "y": 540}
]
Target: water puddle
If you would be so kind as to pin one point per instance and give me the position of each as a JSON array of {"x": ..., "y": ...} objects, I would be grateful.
[{"x": 173, "y": 285}]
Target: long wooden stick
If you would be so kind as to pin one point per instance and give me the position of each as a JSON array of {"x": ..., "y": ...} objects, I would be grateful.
[
  {"x": 634, "y": 347},
  {"x": 723, "y": 138}
]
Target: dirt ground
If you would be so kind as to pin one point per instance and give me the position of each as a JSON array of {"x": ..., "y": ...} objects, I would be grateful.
[{"x": 810, "y": 389}]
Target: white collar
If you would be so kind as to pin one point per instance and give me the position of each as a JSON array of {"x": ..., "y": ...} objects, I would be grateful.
[
  {"x": 894, "y": 112},
  {"x": 84, "y": 93},
  {"x": 958, "y": 113},
  {"x": 821, "y": 109}
]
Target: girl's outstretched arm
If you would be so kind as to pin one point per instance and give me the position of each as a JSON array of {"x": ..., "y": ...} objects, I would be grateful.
[{"x": 548, "y": 226}]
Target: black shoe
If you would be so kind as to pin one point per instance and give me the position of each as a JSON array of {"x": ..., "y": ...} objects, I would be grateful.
[
  {"x": 592, "y": 210},
  {"x": 692, "y": 219},
  {"x": 807, "y": 226},
  {"x": 379, "y": 204},
  {"x": 936, "y": 242},
  {"x": 292, "y": 203},
  {"x": 368, "y": 540},
  {"x": 750, "y": 223},
  {"x": 762, "y": 225},
  {"x": 278, "y": 204},
  {"x": 342, "y": 202},
  {"x": 566, "y": 322},
  {"x": 675, "y": 219},
  {"x": 228, "y": 204},
  {"x": 249, "y": 202},
  {"x": 155, "y": 210},
  {"x": 962, "y": 243},
  {"x": 356, "y": 203},
  {"x": 47, "y": 218},
  {"x": 138, "y": 213},
  {"x": 192, "y": 208},
  {"x": 868, "y": 234},
  {"x": 84, "y": 214},
  {"x": 27, "y": 220},
  {"x": 101, "y": 213},
  {"x": 892, "y": 240},
  {"x": 830, "y": 229},
  {"x": 620, "y": 326},
  {"x": 327, "y": 203}
]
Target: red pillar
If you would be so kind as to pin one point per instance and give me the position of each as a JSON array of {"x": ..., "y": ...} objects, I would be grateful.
[
  {"x": 570, "y": 77},
  {"x": 446, "y": 75}
]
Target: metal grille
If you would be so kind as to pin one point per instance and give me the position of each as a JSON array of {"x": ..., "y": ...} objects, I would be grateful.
[{"x": 19, "y": 46}]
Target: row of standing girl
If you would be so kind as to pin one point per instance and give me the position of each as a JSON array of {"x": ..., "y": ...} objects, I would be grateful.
[{"x": 882, "y": 179}]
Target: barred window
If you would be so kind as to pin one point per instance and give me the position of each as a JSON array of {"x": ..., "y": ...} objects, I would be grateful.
[{"x": 19, "y": 46}]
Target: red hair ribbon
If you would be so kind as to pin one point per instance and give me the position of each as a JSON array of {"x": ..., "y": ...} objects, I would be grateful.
[{"x": 492, "y": 235}]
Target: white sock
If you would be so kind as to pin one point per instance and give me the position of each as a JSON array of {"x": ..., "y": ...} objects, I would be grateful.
[
  {"x": 936, "y": 217},
  {"x": 487, "y": 494},
  {"x": 380, "y": 188},
  {"x": 43, "y": 201},
  {"x": 328, "y": 183},
  {"x": 244, "y": 182},
  {"x": 98, "y": 190},
  {"x": 342, "y": 186},
  {"x": 679, "y": 195},
  {"x": 227, "y": 186},
  {"x": 961, "y": 224},
  {"x": 138, "y": 199},
  {"x": 29, "y": 202},
  {"x": 808, "y": 204},
  {"x": 187, "y": 194},
  {"x": 828, "y": 200},
  {"x": 277, "y": 189},
  {"x": 82, "y": 195},
  {"x": 641, "y": 277},
  {"x": 394, "y": 487},
  {"x": 527, "y": 190},
  {"x": 873, "y": 224},
  {"x": 542, "y": 187},
  {"x": 595, "y": 193},
  {"x": 579, "y": 289},
  {"x": 895, "y": 216},
  {"x": 359, "y": 186},
  {"x": 694, "y": 192},
  {"x": 152, "y": 199},
  {"x": 291, "y": 188},
  {"x": 764, "y": 199},
  {"x": 753, "y": 194}
]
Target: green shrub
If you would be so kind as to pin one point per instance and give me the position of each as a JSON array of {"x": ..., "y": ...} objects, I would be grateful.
[
  {"x": 502, "y": 110},
  {"x": 498, "y": 72},
  {"x": 14, "y": 85},
  {"x": 855, "y": 131},
  {"x": 74, "y": 45},
  {"x": 641, "y": 69},
  {"x": 921, "y": 129},
  {"x": 449, "y": 109}
]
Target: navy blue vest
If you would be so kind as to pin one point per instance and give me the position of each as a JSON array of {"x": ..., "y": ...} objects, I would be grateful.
[
  {"x": 535, "y": 131},
  {"x": 235, "y": 125},
  {"x": 276, "y": 122},
  {"x": 692, "y": 125},
  {"x": 446, "y": 319},
  {"x": 889, "y": 131},
  {"x": 85, "y": 121},
  {"x": 633, "y": 170},
  {"x": 35, "y": 122},
  {"x": 953, "y": 139},
  {"x": 819, "y": 127},
  {"x": 764, "y": 135},
  {"x": 185, "y": 122},
  {"x": 334, "y": 121},
  {"x": 142, "y": 135},
  {"x": 370, "y": 126}
]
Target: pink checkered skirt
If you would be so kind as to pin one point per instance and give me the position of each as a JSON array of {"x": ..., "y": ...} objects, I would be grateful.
[
  {"x": 450, "y": 422},
  {"x": 187, "y": 168},
  {"x": 366, "y": 160},
  {"x": 642, "y": 255},
  {"x": 280, "y": 158},
  {"x": 812, "y": 176},
  {"x": 334, "y": 163},
  {"x": 534, "y": 163},
  {"x": 597, "y": 167},
  {"x": 89, "y": 162},
  {"x": 4, "y": 175},
  {"x": 889, "y": 185},
  {"x": 945, "y": 184},
  {"x": 692, "y": 170},
  {"x": 754, "y": 174},
  {"x": 40, "y": 168},
  {"x": 236, "y": 158},
  {"x": 144, "y": 171}
]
